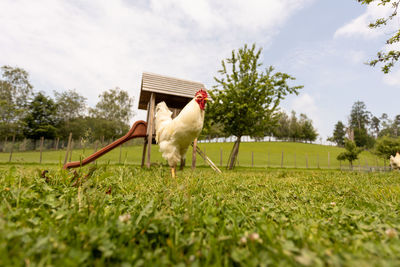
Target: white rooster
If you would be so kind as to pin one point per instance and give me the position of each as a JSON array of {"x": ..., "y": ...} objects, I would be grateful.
[
  {"x": 175, "y": 135},
  {"x": 395, "y": 161}
]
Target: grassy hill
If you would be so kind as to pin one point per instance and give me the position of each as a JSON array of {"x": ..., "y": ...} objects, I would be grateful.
[{"x": 265, "y": 154}]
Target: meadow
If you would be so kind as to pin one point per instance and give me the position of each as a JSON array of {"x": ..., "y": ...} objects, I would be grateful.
[
  {"x": 264, "y": 154},
  {"x": 122, "y": 215}
]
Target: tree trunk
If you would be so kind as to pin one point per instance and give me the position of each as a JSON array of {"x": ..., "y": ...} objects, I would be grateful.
[{"x": 234, "y": 153}]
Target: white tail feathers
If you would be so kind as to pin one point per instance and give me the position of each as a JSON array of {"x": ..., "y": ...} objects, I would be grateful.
[{"x": 163, "y": 115}]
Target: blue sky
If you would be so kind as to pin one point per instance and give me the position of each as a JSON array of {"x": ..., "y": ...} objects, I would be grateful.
[{"x": 92, "y": 46}]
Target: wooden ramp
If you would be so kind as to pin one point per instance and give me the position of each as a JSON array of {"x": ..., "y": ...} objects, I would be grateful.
[{"x": 139, "y": 129}]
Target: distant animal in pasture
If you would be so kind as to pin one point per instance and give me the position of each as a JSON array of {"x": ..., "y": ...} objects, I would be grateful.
[{"x": 395, "y": 161}]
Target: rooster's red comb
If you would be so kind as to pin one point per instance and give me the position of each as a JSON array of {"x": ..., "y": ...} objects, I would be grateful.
[{"x": 202, "y": 92}]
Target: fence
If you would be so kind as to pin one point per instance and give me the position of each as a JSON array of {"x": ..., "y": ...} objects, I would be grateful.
[{"x": 255, "y": 155}]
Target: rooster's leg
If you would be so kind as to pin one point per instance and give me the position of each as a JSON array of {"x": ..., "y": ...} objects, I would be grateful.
[
  {"x": 173, "y": 171},
  {"x": 183, "y": 161}
]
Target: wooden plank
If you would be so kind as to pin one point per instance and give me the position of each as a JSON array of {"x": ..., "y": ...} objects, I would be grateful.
[
  {"x": 150, "y": 128},
  {"x": 194, "y": 154},
  {"x": 12, "y": 148},
  {"x": 68, "y": 146},
  {"x": 207, "y": 159}
]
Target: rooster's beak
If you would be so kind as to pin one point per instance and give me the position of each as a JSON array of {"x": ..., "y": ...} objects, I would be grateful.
[{"x": 206, "y": 99}]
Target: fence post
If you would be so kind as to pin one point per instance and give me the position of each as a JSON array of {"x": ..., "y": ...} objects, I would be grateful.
[
  {"x": 95, "y": 146},
  {"x": 41, "y": 149},
  {"x": 194, "y": 154},
  {"x": 68, "y": 145},
  {"x": 71, "y": 147},
  {"x": 306, "y": 161},
  {"x": 282, "y": 160},
  {"x": 5, "y": 144},
  {"x": 12, "y": 148},
  {"x": 252, "y": 159},
  {"x": 317, "y": 161},
  {"x": 57, "y": 141},
  {"x": 204, "y": 160}
]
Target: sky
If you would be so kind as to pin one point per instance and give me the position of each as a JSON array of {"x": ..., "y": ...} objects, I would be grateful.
[{"x": 92, "y": 46}]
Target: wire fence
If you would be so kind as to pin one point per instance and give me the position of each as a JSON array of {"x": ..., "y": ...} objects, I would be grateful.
[{"x": 55, "y": 151}]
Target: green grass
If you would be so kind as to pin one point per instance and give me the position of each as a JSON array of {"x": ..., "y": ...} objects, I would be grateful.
[
  {"x": 245, "y": 217},
  {"x": 295, "y": 155}
]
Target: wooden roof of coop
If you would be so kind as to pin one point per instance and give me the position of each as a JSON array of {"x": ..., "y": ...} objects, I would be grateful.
[{"x": 175, "y": 92}]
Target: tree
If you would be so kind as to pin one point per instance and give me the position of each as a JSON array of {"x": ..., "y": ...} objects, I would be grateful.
[
  {"x": 41, "y": 118},
  {"x": 387, "y": 58},
  {"x": 70, "y": 105},
  {"x": 359, "y": 116},
  {"x": 281, "y": 129},
  {"x": 71, "y": 108},
  {"x": 294, "y": 127},
  {"x": 246, "y": 98},
  {"x": 16, "y": 92},
  {"x": 308, "y": 132},
  {"x": 359, "y": 121},
  {"x": 115, "y": 106},
  {"x": 375, "y": 125},
  {"x": 386, "y": 146},
  {"x": 339, "y": 134},
  {"x": 351, "y": 153}
]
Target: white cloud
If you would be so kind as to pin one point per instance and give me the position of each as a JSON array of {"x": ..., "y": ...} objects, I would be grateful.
[
  {"x": 305, "y": 103},
  {"x": 359, "y": 26},
  {"x": 357, "y": 56},
  {"x": 95, "y": 45},
  {"x": 393, "y": 78}
]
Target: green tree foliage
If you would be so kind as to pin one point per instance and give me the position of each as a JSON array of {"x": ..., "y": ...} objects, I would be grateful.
[
  {"x": 386, "y": 146},
  {"x": 114, "y": 105},
  {"x": 41, "y": 120},
  {"x": 339, "y": 134},
  {"x": 359, "y": 122},
  {"x": 359, "y": 116},
  {"x": 351, "y": 153},
  {"x": 389, "y": 127},
  {"x": 375, "y": 126},
  {"x": 16, "y": 92},
  {"x": 246, "y": 98},
  {"x": 281, "y": 129},
  {"x": 389, "y": 58},
  {"x": 113, "y": 111},
  {"x": 71, "y": 108},
  {"x": 293, "y": 128},
  {"x": 307, "y": 130},
  {"x": 70, "y": 105}
]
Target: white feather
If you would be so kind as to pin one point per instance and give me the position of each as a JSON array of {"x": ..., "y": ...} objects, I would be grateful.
[{"x": 174, "y": 136}]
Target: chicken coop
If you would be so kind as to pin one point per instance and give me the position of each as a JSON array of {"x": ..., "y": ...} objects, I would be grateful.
[{"x": 155, "y": 88}]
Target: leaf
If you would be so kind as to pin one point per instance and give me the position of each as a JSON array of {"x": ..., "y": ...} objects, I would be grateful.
[{"x": 145, "y": 212}]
